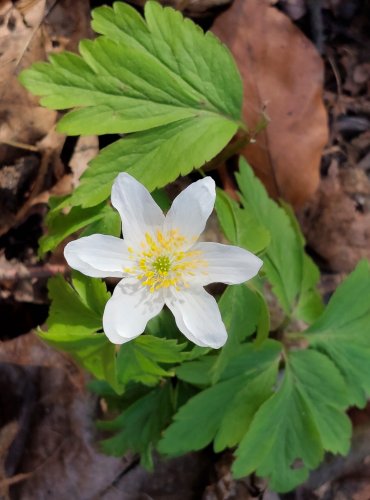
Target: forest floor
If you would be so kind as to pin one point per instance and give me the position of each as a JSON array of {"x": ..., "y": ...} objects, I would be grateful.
[{"x": 47, "y": 437}]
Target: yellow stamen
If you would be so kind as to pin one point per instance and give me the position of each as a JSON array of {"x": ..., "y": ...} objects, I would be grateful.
[{"x": 161, "y": 262}]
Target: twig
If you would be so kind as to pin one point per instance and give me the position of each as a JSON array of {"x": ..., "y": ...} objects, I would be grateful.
[
  {"x": 20, "y": 145},
  {"x": 5, "y": 483},
  {"x": 44, "y": 271}
]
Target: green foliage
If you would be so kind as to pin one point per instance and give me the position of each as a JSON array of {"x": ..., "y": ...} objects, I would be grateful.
[
  {"x": 290, "y": 271},
  {"x": 140, "y": 359},
  {"x": 154, "y": 157},
  {"x": 343, "y": 332},
  {"x": 291, "y": 430},
  {"x": 239, "y": 225},
  {"x": 176, "y": 96},
  {"x": 243, "y": 313},
  {"x": 175, "y": 91},
  {"x": 139, "y": 426},
  {"x": 102, "y": 219},
  {"x": 223, "y": 412},
  {"x": 75, "y": 318}
]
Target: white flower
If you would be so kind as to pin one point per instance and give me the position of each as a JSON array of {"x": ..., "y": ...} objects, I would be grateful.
[{"x": 161, "y": 263}]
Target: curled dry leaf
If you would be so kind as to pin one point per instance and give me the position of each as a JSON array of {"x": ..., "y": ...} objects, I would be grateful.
[{"x": 283, "y": 76}]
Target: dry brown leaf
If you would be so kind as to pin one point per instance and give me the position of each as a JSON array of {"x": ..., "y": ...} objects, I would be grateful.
[
  {"x": 336, "y": 222},
  {"x": 21, "y": 43},
  {"x": 29, "y": 32},
  {"x": 192, "y": 8},
  {"x": 58, "y": 453},
  {"x": 59, "y": 456},
  {"x": 283, "y": 74},
  {"x": 30, "y": 149}
]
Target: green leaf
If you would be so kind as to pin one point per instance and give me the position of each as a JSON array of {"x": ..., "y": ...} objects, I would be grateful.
[
  {"x": 138, "y": 75},
  {"x": 291, "y": 430},
  {"x": 139, "y": 360},
  {"x": 310, "y": 305},
  {"x": 74, "y": 321},
  {"x": 140, "y": 425},
  {"x": 200, "y": 61},
  {"x": 175, "y": 90},
  {"x": 343, "y": 332},
  {"x": 198, "y": 372},
  {"x": 240, "y": 226},
  {"x": 62, "y": 225},
  {"x": 240, "y": 309},
  {"x": 291, "y": 273},
  {"x": 110, "y": 224},
  {"x": 163, "y": 325},
  {"x": 223, "y": 412},
  {"x": 154, "y": 157}
]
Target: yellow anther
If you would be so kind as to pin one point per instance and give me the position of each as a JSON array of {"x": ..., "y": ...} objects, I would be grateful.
[{"x": 161, "y": 261}]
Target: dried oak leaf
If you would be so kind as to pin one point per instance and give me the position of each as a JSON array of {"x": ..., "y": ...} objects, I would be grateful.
[
  {"x": 283, "y": 75},
  {"x": 55, "y": 452}
]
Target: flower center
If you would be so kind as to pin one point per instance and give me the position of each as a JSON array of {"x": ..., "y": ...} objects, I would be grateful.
[
  {"x": 162, "y": 265},
  {"x": 161, "y": 261}
]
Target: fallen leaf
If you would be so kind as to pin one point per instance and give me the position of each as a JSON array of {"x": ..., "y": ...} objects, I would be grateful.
[
  {"x": 30, "y": 30},
  {"x": 44, "y": 391},
  {"x": 21, "y": 42},
  {"x": 336, "y": 222},
  {"x": 87, "y": 147},
  {"x": 58, "y": 452},
  {"x": 192, "y": 8},
  {"x": 283, "y": 76}
]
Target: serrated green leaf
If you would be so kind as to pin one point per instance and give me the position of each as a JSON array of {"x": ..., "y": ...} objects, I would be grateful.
[
  {"x": 240, "y": 309},
  {"x": 124, "y": 82},
  {"x": 68, "y": 312},
  {"x": 110, "y": 223},
  {"x": 154, "y": 157},
  {"x": 343, "y": 332},
  {"x": 174, "y": 88},
  {"x": 211, "y": 413},
  {"x": 61, "y": 225},
  {"x": 240, "y": 226},
  {"x": 139, "y": 360},
  {"x": 291, "y": 430},
  {"x": 140, "y": 425},
  {"x": 256, "y": 389},
  {"x": 292, "y": 274},
  {"x": 310, "y": 305},
  {"x": 200, "y": 60},
  {"x": 198, "y": 372},
  {"x": 163, "y": 325},
  {"x": 92, "y": 292},
  {"x": 74, "y": 321}
]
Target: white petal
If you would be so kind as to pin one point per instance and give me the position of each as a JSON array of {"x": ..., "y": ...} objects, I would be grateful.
[
  {"x": 225, "y": 264},
  {"x": 139, "y": 212},
  {"x": 191, "y": 209},
  {"x": 197, "y": 316},
  {"x": 98, "y": 256},
  {"x": 129, "y": 309}
]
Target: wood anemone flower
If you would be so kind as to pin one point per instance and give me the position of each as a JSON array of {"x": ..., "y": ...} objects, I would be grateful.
[{"x": 161, "y": 263}]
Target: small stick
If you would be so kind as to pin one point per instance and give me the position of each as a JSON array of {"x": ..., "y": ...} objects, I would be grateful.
[{"x": 35, "y": 272}]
